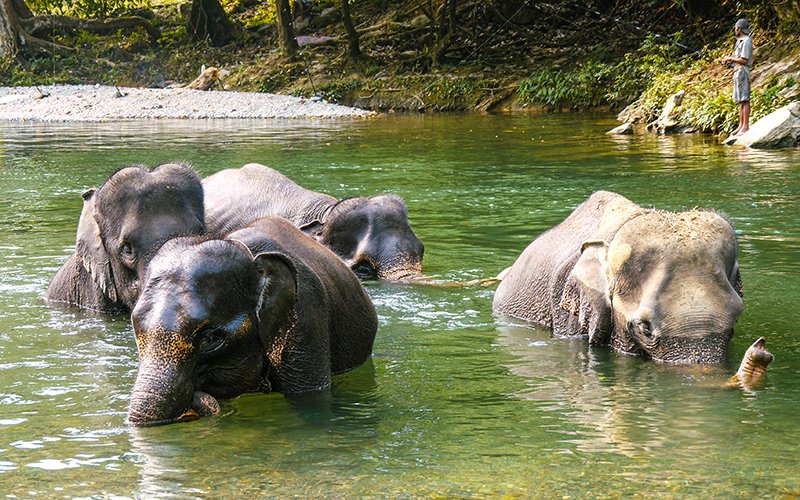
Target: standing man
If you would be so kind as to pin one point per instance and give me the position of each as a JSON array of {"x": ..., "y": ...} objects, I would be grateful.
[{"x": 741, "y": 60}]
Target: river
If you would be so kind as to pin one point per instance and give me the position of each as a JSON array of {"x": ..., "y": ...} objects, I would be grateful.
[{"x": 455, "y": 402}]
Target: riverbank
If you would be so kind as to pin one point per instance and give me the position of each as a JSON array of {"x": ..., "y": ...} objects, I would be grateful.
[{"x": 97, "y": 103}]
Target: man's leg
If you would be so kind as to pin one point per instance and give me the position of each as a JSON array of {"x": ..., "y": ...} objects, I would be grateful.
[
  {"x": 745, "y": 119},
  {"x": 739, "y": 127}
]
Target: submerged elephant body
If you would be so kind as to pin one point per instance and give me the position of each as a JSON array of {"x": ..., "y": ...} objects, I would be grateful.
[
  {"x": 121, "y": 224},
  {"x": 653, "y": 284},
  {"x": 372, "y": 235},
  {"x": 266, "y": 308}
]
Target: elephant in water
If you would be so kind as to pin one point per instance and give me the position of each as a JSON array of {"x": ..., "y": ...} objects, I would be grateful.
[
  {"x": 122, "y": 223},
  {"x": 372, "y": 235},
  {"x": 654, "y": 284},
  {"x": 265, "y": 309}
]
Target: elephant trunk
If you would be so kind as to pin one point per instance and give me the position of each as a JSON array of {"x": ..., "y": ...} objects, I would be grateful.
[
  {"x": 753, "y": 367},
  {"x": 162, "y": 394}
]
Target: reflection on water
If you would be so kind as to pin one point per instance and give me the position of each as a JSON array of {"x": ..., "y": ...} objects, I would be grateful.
[{"x": 455, "y": 402}]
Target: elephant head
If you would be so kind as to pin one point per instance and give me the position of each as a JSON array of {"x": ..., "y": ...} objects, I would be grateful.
[
  {"x": 122, "y": 223},
  {"x": 373, "y": 236},
  {"x": 201, "y": 324},
  {"x": 670, "y": 284},
  {"x": 136, "y": 210}
]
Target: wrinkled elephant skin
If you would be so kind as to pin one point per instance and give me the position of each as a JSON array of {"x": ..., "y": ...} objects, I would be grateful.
[
  {"x": 654, "y": 284},
  {"x": 266, "y": 309},
  {"x": 122, "y": 223},
  {"x": 372, "y": 235}
]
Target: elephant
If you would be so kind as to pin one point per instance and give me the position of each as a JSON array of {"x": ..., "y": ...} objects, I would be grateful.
[
  {"x": 654, "y": 284},
  {"x": 265, "y": 309},
  {"x": 372, "y": 235},
  {"x": 121, "y": 224}
]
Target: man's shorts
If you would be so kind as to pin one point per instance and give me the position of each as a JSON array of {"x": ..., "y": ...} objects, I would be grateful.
[{"x": 741, "y": 84}]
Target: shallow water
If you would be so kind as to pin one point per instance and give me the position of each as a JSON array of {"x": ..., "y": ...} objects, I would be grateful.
[{"x": 455, "y": 402}]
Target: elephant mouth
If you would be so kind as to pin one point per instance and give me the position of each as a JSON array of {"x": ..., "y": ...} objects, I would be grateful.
[{"x": 202, "y": 405}]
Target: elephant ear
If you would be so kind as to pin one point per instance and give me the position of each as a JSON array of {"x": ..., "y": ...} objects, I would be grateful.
[
  {"x": 589, "y": 276},
  {"x": 313, "y": 229},
  {"x": 91, "y": 252},
  {"x": 736, "y": 280},
  {"x": 277, "y": 294}
]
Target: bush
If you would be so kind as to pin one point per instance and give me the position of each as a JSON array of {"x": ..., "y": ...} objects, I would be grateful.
[{"x": 86, "y": 8}]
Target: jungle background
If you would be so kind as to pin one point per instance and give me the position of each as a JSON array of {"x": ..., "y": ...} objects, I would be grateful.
[{"x": 419, "y": 55}]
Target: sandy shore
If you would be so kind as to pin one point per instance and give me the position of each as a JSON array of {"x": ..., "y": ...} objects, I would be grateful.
[{"x": 96, "y": 103}]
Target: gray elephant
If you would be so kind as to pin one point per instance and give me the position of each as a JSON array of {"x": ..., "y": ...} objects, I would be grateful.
[
  {"x": 654, "y": 284},
  {"x": 372, "y": 235},
  {"x": 265, "y": 309},
  {"x": 121, "y": 224}
]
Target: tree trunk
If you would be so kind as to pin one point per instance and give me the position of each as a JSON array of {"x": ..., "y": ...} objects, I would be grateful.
[
  {"x": 289, "y": 45},
  {"x": 20, "y": 28},
  {"x": 354, "y": 51},
  {"x": 209, "y": 21},
  {"x": 9, "y": 31}
]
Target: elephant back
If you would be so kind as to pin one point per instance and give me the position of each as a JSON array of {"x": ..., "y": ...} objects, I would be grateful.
[
  {"x": 327, "y": 289},
  {"x": 534, "y": 287},
  {"x": 236, "y": 197}
]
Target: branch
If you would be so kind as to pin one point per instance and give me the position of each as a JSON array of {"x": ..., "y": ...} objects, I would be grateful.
[
  {"x": 40, "y": 25},
  {"x": 45, "y": 46}
]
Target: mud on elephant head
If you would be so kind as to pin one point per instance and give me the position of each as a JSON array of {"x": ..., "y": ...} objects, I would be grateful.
[
  {"x": 266, "y": 309},
  {"x": 122, "y": 223},
  {"x": 654, "y": 284}
]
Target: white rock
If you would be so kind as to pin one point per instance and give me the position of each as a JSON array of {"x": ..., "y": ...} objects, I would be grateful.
[
  {"x": 624, "y": 129},
  {"x": 779, "y": 129}
]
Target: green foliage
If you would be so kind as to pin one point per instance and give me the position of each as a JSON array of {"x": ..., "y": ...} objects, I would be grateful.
[
  {"x": 452, "y": 89},
  {"x": 580, "y": 88},
  {"x": 337, "y": 90},
  {"x": 652, "y": 63},
  {"x": 260, "y": 14},
  {"x": 87, "y": 8},
  {"x": 597, "y": 83}
]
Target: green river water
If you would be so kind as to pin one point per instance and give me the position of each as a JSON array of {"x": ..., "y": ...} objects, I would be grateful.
[{"x": 455, "y": 402}]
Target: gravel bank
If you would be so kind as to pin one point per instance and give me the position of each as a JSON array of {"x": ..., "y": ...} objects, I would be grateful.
[{"x": 99, "y": 103}]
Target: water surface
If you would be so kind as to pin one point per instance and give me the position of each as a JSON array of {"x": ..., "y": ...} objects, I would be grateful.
[{"x": 455, "y": 402}]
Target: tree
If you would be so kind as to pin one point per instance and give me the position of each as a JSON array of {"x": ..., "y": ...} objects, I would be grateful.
[
  {"x": 289, "y": 45},
  {"x": 20, "y": 28},
  {"x": 354, "y": 51},
  {"x": 209, "y": 21}
]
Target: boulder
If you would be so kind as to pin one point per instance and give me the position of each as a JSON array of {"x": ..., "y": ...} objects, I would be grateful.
[
  {"x": 779, "y": 129},
  {"x": 667, "y": 121},
  {"x": 624, "y": 129}
]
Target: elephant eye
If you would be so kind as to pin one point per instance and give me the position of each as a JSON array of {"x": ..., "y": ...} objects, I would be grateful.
[
  {"x": 210, "y": 340},
  {"x": 643, "y": 328},
  {"x": 127, "y": 253},
  {"x": 365, "y": 270}
]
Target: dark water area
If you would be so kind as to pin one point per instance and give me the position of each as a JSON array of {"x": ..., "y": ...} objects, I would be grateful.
[{"x": 455, "y": 402}]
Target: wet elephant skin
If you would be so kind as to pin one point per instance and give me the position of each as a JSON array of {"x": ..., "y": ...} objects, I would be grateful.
[
  {"x": 372, "y": 235},
  {"x": 122, "y": 223},
  {"x": 655, "y": 284},
  {"x": 266, "y": 309}
]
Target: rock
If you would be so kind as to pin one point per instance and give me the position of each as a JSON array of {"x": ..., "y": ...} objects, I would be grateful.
[
  {"x": 420, "y": 21},
  {"x": 779, "y": 129},
  {"x": 667, "y": 122},
  {"x": 206, "y": 80},
  {"x": 624, "y": 129}
]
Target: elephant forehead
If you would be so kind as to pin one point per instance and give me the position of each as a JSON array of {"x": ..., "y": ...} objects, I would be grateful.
[{"x": 694, "y": 228}]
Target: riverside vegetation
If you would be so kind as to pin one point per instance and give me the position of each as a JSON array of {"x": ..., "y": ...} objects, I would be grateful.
[{"x": 445, "y": 55}]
